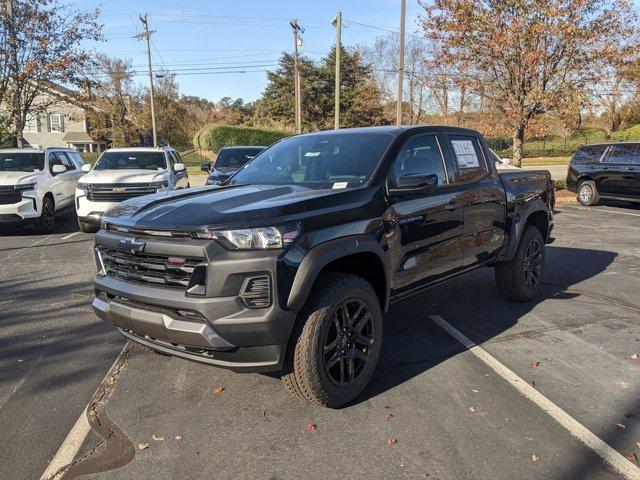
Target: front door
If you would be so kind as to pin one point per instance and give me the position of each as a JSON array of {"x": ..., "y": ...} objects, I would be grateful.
[
  {"x": 483, "y": 197},
  {"x": 423, "y": 231}
]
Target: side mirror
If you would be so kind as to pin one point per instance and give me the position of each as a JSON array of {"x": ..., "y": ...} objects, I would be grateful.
[
  {"x": 179, "y": 167},
  {"x": 205, "y": 167},
  {"x": 85, "y": 167},
  {"x": 415, "y": 184},
  {"x": 58, "y": 169}
]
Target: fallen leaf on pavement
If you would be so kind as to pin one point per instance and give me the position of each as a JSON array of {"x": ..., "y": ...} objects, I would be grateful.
[
  {"x": 507, "y": 420},
  {"x": 635, "y": 356},
  {"x": 157, "y": 439},
  {"x": 143, "y": 446},
  {"x": 218, "y": 390},
  {"x": 392, "y": 441},
  {"x": 620, "y": 426},
  {"x": 633, "y": 457},
  {"x": 312, "y": 427},
  {"x": 475, "y": 391},
  {"x": 472, "y": 408},
  {"x": 535, "y": 364},
  {"x": 529, "y": 438},
  {"x": 629, "y": 415},
  {"x": 638, "y": 445},
  {"x": 533, "y": 384},
  {"x": 388, "y": 416},
  {"x": 178, "y": 437},
  {"x": 535, "y": 457}
]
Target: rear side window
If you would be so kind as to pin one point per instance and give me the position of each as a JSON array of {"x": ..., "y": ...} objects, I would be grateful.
[
  {"x": 468, "y": 157},
  {"x": 622, "y": 154},
  {"x": 590, "y": 154}
]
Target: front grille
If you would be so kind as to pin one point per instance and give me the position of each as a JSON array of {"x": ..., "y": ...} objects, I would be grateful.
[
  {"x": 156, "y": 270},
  {"x": 9, "y": 195},
  {"x": 118, "y": 192}
]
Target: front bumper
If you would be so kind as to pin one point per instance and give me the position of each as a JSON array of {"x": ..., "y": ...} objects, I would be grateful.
[
  {"x": 88, "y": 211},
  {"x": 215, "y": 327},
  {"x": 27, "y": 209}
]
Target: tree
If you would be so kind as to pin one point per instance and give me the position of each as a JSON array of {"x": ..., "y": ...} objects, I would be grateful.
[
  {"x": 522, "y": 56},
  {"x": 42, "y": 42}
]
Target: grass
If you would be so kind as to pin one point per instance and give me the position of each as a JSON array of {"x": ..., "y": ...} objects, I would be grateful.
[
  {"x": 192, "y": 159},
  {"x": 544, "y": 161}
]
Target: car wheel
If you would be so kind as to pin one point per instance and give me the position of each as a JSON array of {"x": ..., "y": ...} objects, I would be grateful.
[
  {"x": 336, "y": 344},
  {"x": 88, "y": 227},
  {"x": 521, "y": 278},
  {"x": 47, "y": 221},
  {"x": 588, "y": 193}
]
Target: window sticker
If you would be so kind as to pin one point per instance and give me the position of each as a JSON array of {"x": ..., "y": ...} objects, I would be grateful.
[
  {"x": 340, "y": 185},
  {"x": 465, "y": 154}
]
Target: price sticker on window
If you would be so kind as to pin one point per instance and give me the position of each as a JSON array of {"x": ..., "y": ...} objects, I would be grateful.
[{"x": 465, "y": 154}]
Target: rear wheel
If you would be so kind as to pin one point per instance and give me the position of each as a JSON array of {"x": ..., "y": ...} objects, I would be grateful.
[
  {"x": 588, "y": 193},
  {"x": 88, "y": 227},
  {"x": 47, "y": 221},
  {"x": 521, "y": 278},
  {"x": 335, "y": 347}
]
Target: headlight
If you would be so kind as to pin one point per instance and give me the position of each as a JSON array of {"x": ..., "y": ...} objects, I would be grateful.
[
  {"x": 25, "y": 187},
  {"x": 162, "y": 184},
  {"x": 263, "y": 238}
]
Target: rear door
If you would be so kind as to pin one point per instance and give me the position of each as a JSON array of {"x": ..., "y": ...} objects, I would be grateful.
[
  {"x": 616, "y": 173},
  {"x": 483, "y": 196},
  {"x": 424, "y": 230}
]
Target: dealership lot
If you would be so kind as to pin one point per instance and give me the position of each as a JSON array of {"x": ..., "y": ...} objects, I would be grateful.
[{"x": 453, "y": 415}]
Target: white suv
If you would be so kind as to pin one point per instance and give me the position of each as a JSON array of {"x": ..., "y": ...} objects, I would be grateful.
[
  {"x": 123, "y": 173},
  {"x": 36, "y": 184}
]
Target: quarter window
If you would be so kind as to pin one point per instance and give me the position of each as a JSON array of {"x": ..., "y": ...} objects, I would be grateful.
[
  {"x": 420, "y": 155},
  {"x": 468, "y": 157}
]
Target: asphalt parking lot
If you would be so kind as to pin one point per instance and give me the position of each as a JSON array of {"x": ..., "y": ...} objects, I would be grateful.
[{"x": 452, "y": 412}]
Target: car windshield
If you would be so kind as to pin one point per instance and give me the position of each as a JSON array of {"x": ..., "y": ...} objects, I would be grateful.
[
  {"x": 131, "y": 161},
  {"x": 236, "y": 157},
  {"x": 21, "y": 162},
  {"x": 330, "y": 160}
]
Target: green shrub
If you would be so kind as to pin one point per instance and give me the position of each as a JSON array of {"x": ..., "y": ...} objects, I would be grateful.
[
  {"x": 192, "y": 158},
  {"x": 214, "y": 137},
  {"x": 561, "y": 184},
  {"x": 631, "y": 133},
  {"x": 90, "y": 157}
]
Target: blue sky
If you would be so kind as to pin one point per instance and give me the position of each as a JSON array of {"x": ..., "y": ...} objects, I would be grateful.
[{"x": 246, "y": 35}]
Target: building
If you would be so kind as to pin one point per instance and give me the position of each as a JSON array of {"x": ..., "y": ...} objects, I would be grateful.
[{"x": 62, "y": 123}]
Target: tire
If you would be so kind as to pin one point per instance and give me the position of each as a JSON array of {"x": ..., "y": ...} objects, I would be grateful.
[
  {"x": 335, "y": 378},
  {"x": 588, "y": 193},
  {"x": 47, "y": 221},
  {"x": 521, "y": 278},
  {"x": 88, "y": 227}
]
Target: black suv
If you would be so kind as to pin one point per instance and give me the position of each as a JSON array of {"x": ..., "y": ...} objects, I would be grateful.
[
  {"x": 609, "y": 171},
  {"x": 228, "y": 162},
  {"x": 291, "y": 264}
]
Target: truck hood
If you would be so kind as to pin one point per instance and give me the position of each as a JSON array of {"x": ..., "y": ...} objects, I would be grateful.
[
  {"x": 123, "y": 176},
  {"x": 16, "y": 178},
  {"x": 237, "y": 206}
]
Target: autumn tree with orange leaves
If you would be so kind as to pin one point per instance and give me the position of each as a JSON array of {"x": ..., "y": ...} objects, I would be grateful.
[{"x": 527, "y": 57}]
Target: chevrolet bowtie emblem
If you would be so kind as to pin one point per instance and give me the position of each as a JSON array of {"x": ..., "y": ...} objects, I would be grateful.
[
  {"x": 132, "y": 244},
  {"x": 119, "y": 189}
]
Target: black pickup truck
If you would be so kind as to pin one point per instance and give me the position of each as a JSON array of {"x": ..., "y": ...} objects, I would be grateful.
[{"x": 290, "y": 265}]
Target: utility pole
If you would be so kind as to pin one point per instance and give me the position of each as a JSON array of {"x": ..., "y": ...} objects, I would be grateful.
[
  {"x": 13, "y": 46},
  {"x": 337, "y": 22},
  {"x": 297, "y": 30},
  {"x": 403, "y": 9},
  {"x": 147, "y": 36}
]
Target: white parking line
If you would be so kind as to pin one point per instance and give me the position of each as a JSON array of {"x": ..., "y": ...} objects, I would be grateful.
[
  {"x": 67, "y": 237},
  {"x": 76, "y": 436},
  {"x": 606, "y": 452}
]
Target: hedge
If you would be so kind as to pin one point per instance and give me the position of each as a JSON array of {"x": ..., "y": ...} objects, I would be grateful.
[{"x": 214, "y": 137}]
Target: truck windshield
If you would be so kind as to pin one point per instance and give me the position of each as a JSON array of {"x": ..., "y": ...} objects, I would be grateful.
[
  {"x": 330, "y": 160},
  {"x": 236, "y": 157},
  {"x": 131, "y": 161},
  {"x": 21, "y": 162}
]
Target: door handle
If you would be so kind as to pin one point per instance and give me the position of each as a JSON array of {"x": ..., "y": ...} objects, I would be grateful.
[
  {"x": 631, "y": 169},
  {"x": 451, "y": 206}
]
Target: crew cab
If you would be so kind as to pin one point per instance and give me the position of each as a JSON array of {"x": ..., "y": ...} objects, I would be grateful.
[
  {"x": 608, "y": 171},
  {"x": 123, "y": 173},
  {"x": 290, "y": 265},
  {"x": 36, "y": 184},
  {"x": 228, "y": 162}
]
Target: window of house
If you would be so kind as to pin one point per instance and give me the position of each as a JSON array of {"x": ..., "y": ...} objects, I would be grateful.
[
  {"x": 32, "y": 124},
  {"x": 56, "y": 122}
]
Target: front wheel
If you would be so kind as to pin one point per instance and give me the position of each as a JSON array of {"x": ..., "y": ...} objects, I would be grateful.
[
  {"x": 521, "y": 278},
  {"x": 47, "y": 221},
  {"x": 336, "y": 344},
  {"x": 588, "y": 193}
]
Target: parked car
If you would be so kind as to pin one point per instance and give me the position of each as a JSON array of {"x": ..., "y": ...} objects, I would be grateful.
[
  {"x": 229, "y": 161},
  {"x": 124, "y": 173},
  {"x": 610, "y": 171},
  {"x": 35, "y": 185},
  {"x": 291, "y": 264}
]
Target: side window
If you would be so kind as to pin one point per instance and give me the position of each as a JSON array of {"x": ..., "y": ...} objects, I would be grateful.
[
  {"x": 175, "y": 158},
  {"x": 468, "y": 157},
  {"x": 621, "y": 154},
  {"x": 54, "y": 159},
  {"x": 65, "y": 160},
  {"x": 77, "y": 159},
  {"x": 171, "y": 160},
  {"x": 419, "y": 155}
]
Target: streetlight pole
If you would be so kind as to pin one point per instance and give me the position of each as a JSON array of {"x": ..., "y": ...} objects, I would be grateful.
[
  {"x": 403, "y": 9},
  {"x": 296, "y": 73},
  {"x": 147, "y": 35},
  {"x": 337, "y": 22}
]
